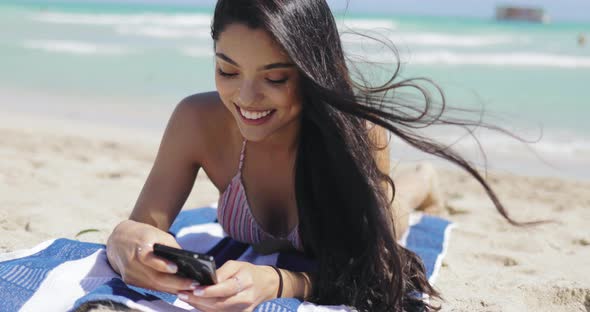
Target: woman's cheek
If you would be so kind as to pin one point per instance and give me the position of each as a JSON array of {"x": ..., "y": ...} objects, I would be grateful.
[
  {"x": 225, "y": 87},
  {"x": 280, "y": 95}
]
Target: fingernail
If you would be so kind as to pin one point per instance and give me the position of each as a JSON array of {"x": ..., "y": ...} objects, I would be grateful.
[
  {"x": 195, "y": 285},
  {"x": 198, "y": 292},
  {"x": 171, "y": 267},
  {"x": 183, "y": 297}
]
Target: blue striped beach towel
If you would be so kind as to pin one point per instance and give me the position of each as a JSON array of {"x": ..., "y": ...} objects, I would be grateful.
[{"x": 63, "y": 274}]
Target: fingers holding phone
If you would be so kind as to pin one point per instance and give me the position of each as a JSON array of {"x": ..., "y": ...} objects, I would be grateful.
[
  {"x": 145, "y": 254},
  {"x": 241, "y": 287},
  {"x": 193, "y": 265},
  {"x": 162, "y": 274},
  {"x": 130, "y": 253}
]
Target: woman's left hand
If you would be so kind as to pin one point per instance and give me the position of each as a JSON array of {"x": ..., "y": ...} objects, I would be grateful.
[{"x": 241, "y": 286}]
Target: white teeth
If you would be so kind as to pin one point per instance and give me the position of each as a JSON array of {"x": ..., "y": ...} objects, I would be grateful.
[{"x": 254, "y": 115}]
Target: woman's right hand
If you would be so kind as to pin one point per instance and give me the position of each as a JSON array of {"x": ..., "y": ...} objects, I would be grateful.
[{"x": 130, "y": 253}]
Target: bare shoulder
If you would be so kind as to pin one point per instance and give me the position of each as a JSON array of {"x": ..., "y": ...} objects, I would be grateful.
[
  {"x": 199, "y": 121},
  {"x": 203, "y": 106},
  {"x": 205, "y": 100}
]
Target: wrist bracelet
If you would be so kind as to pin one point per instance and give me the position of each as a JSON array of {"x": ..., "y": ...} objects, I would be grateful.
[{"x": 280, "y": 291}]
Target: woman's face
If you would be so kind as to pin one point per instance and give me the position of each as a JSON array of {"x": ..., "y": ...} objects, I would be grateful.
[{"x": 257, "y": 82}]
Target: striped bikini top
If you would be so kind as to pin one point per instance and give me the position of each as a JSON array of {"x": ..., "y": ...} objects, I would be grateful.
[{"x": 238, "y": 221}]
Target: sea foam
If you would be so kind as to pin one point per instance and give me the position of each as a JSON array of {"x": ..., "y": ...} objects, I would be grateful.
[
  {"x": 185, "y": 20},
  {"x": 359, "y": 24},
  {"x": 528, "y": 59},
  {"x": 162, "y": 32},
  {"x": 75, "y": 47},
  {"x": 198, "y": 52}
]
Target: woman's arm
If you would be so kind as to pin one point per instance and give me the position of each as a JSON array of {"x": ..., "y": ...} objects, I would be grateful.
[
  {"x": 176, "y": 165},
  {"x": 378, "y": 136},
  {"x": 379, "y": 139},
  {"x": 400, "y": 213},
  {"x": 296, "y": 284},
  {"x": 169, "y": 183}
]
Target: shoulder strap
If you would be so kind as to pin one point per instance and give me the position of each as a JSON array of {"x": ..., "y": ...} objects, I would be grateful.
[{"x": 242, "y": 155}]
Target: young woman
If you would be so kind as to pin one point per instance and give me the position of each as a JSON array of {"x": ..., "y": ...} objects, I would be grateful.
[{"x": 298, "y": 152}]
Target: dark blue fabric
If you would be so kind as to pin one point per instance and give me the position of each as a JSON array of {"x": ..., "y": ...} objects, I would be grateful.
[
  {"x": 117, "y": 288},
  {"x": 227, "y": 249},
  {"x": 297, "y": 262}
]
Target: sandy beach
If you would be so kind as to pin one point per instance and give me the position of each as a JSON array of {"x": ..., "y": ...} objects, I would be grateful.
[{"x": 61, "y": 177}]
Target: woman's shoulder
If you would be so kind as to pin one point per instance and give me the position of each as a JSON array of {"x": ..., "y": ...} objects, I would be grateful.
[
  {"x": 202, "y": 121},
  {"x": 203, "y": 106},
  {"x": 204, "y": 112}
]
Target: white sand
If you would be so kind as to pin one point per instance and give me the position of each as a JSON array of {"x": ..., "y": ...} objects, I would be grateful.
[{"x": 58, "y": 178}]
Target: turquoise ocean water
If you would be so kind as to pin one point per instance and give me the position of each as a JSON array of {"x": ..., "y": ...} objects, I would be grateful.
[{"x": 133, "y": 63}]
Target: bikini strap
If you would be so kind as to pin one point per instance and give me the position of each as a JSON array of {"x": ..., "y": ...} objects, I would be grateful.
[{"x": 242, "y": 155}]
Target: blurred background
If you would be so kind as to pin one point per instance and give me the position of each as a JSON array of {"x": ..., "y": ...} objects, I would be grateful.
[{"x": 526, "y": 64}]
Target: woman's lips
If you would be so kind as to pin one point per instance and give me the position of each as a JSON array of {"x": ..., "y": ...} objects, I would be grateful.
[{"x": 251, "y": 119}]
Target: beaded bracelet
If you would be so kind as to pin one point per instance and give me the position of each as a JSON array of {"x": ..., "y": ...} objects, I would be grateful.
[{"x": 280, "y": 291}]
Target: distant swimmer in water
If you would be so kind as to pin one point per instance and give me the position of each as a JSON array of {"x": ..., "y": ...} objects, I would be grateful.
[{"x": 581, "y": 40}]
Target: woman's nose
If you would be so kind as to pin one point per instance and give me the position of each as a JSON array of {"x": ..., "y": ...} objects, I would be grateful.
[{"x": 247, "y": 94}]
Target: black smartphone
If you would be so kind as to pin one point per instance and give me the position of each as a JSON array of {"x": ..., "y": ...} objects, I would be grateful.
[{"x": 193, "y": 265}]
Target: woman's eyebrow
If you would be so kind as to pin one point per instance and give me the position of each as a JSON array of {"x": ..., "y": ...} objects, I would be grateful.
[{"x": 265, "y": 67}]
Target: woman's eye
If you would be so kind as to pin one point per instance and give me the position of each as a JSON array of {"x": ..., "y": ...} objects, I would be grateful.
[
  {"x": 224, "y": 74},
  {"x": 278, "y": 81},
  {"x": 231, "y": 75}
]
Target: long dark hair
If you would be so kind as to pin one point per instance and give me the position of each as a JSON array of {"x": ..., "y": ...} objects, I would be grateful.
[{"x": 344, "y": 212}]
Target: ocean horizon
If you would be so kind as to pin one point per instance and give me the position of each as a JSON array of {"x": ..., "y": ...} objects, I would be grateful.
[{"x": 131, "y": 63}]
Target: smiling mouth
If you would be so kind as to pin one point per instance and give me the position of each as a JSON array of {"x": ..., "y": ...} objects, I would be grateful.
[{"x": 254, "y": 115}]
